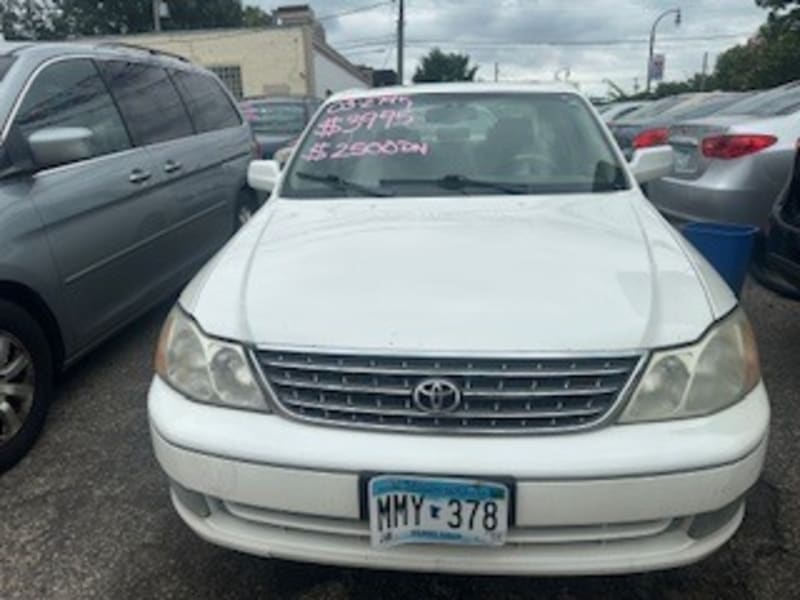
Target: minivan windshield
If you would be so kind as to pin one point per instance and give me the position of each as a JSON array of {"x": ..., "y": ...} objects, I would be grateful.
[{"x": 437, "y": 144}]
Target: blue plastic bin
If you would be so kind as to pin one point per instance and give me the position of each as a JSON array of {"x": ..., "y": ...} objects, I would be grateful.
[{"x": 728, "y": 248}]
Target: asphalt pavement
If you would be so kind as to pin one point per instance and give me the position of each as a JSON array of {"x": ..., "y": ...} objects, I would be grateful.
[{"x": 86, "y": 514}]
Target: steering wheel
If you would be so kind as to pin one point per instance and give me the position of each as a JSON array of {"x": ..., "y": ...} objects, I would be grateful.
[{"x": 535, "y": 162}]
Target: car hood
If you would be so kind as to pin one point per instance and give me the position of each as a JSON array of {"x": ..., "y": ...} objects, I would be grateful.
[{"x": 569, "y": 273}]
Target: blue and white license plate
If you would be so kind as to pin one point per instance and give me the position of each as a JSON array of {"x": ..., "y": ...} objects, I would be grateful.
[{"x": 421, "y": 510}]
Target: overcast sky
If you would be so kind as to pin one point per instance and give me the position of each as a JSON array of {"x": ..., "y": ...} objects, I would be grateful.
[{"x": 532, "y": 39}]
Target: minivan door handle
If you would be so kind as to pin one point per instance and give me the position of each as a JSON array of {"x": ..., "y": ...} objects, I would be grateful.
[
  {"x": 139, "y": 176},
  {"x": 172, "y": 167}
]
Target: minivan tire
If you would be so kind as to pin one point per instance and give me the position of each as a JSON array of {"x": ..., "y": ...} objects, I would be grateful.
[{"x": 27, "y": 336}]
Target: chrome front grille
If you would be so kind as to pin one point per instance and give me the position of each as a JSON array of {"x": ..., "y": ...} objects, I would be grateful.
[{"x": 496, "y": 395}]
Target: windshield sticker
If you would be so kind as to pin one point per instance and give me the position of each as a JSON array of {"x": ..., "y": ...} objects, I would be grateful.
[
  {"x": 329, "y": 151},
  {"x": 354, "y": 104}
]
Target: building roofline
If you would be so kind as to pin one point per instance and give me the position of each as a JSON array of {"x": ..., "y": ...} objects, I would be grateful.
[
  {"x": 188, "y": 33},
  {"x": 340, "y": 60}
]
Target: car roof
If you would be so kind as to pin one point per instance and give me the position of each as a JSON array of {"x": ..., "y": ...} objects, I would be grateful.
[
  {"x": 276, "y": 99},
  {"x": 40, "y": 51},
  {"x": 11, "y": 47},
  {"x": 460, "y": 88}
]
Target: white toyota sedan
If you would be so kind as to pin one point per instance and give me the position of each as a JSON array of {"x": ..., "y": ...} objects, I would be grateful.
[{"x": 459, "y": 339}]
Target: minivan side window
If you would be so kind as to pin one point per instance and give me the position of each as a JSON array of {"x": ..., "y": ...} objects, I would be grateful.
[
  {"x": 150, "y": 104},
  {"x": 70, "y": 93},
  {"x": 209, "y": 106}
]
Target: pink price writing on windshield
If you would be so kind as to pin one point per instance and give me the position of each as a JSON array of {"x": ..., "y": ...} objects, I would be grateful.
[
  {"x": 351, "y": 104},
  {"x": 344, "y": 125},
  {"x": 327, "y": 151}
]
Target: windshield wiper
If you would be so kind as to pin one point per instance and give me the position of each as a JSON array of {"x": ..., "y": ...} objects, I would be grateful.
[
  {"x": 340, "y": 183},
  {"x": 459, "y": 182}
]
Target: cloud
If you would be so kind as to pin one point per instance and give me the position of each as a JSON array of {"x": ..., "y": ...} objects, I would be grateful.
[{"x": 531, "y": 39}]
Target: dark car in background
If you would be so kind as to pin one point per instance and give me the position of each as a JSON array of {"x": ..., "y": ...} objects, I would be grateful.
[
  {"x": 277, "y": 121},
  {"x": 647, "y": 129},
  {"x": 777, "y": 258},
  {"x": 121, "y": 172}
]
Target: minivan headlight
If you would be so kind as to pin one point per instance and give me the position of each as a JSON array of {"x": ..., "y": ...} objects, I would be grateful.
[
  {"x": 697, "y": 380},
  {"x": 206, "y": 369}
]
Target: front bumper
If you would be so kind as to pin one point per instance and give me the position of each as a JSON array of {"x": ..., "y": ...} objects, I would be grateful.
[{"x": 620, "y": 499}]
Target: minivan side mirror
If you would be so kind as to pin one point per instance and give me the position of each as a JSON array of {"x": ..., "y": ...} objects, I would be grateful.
[
  {"x": 263, "y": 175},
  {"x": 54, "y": 146},
  {"x": 649, "y": 164}
]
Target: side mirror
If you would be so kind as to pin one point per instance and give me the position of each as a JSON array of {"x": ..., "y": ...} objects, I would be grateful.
[
  {"x": 55, "y": 146},
  {"x": 649, "y": 164},
  {"x": 263, "y": 175}
]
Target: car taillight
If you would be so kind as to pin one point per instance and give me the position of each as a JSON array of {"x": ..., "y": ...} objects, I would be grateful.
[
  {"x": 728, "y": 147},
  {"x": 651, "y": 137}
]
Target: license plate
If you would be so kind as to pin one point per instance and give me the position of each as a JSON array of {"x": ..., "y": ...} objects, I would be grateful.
[
  {"x": 683, "y": 161},
  {"x": 420, "y": 510}
]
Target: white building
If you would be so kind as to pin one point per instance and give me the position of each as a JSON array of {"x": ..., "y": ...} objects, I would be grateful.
[{"x": 290, "y": 58}]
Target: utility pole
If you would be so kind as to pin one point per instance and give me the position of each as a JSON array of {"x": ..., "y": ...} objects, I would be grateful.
[
  {"x": 157, "y": 16},
  {"x": 401, "y": 26},
  {"x": 29, "y": 18},
  {"x": 705, "y": 73}
]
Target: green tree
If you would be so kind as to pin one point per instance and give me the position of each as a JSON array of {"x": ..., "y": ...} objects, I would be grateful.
[
  {"x": 109, "y": 17},
  {"x": 253, "y": 16},
  {"x": 23, "y": 20},
  {"x": 203, "y": 14},
  {"x": 441, "y": 66},
  {"x": 777, "y": 5}
]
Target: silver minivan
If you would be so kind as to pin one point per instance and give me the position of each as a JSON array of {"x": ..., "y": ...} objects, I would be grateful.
[{"x": 122, "y": 171}]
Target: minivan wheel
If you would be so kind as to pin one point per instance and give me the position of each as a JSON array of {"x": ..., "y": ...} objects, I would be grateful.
[
  {"x": 246, "y": 207},
  {"x": 26, "y": 382}
]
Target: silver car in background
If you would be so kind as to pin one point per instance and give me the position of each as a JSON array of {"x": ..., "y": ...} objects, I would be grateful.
[
  {"x": 620, "y": 110},
  {"x": 649, "y": 126},
  {"x": 730, "y": 167}
]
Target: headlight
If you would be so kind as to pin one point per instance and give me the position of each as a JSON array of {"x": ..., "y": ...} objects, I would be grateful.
[
  {"x": 206, "y": 369},
  {"x": 718, "y": 371}
]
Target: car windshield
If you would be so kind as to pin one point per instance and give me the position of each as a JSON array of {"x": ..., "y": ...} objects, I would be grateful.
[
  {"x": 454, "y": 144},
  {"x": 707, "y": 107},
  {"x": 774, "y": 103},
  {"x": 655, "y": 108},
  {"x": 275, "y": 117}
]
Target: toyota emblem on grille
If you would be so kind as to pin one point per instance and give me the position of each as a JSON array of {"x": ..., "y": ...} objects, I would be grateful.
[{"x": 437, "y": 396}]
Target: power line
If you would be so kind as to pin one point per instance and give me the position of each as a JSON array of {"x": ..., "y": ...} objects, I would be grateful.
[
  {"x": 354, "y": 11},
  {"x": 362, "y": 44},
  {"x": 608, "y": 42},
  {"x": 373, "y": 41}
]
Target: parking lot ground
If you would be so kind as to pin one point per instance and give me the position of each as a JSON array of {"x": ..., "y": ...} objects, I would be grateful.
[{"x": 86, "y": 514}]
